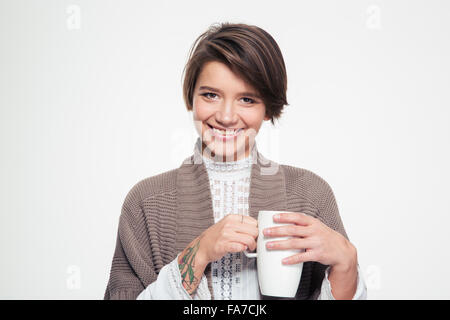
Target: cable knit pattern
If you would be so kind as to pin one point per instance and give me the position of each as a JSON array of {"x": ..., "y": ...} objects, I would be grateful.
[{"x": 162, "y": 214}]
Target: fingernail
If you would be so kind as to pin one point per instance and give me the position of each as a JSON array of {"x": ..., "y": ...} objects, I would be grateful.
[
  {"x": 267, "y": 232},
  {"x": 269, "y": 245},
  {"x": 276, "y": 216}
]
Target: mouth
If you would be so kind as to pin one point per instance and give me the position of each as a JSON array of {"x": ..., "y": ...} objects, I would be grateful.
[{"x": 225, "y": 134}]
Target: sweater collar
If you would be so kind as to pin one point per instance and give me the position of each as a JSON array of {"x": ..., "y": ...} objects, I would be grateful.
[
  {"x": 194, "y": 202},
  {"x": 215, "y": 165}
]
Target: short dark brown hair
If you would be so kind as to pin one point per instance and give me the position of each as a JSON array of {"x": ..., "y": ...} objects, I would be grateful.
[{"x": 247, "y": 50}]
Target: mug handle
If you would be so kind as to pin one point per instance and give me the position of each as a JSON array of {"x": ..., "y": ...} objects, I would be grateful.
[{"x": 250, "y": 255}]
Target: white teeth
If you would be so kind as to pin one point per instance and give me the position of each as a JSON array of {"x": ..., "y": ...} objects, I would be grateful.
[{"x": 224, "y": 133}]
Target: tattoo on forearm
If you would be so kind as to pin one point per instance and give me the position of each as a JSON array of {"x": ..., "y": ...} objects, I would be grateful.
[{"x": 187, "y": 264}]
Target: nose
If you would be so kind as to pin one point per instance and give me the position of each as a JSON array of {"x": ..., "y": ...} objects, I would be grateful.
[{"x": 227, "y": 115}]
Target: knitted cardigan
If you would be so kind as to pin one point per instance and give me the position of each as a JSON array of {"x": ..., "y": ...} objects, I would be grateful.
[{"x": 162, "y": 214}]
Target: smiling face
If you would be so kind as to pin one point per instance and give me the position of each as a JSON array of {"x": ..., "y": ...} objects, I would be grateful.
[{"x": 228, "y": 113}]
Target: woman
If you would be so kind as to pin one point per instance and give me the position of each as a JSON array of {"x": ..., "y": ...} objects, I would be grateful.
[{"x": 182, "y": 233}]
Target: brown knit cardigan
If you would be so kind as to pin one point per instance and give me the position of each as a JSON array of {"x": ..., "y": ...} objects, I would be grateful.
[{"x": 162, "y": 214}]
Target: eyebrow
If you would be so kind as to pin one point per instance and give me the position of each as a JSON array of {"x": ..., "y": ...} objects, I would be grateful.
[{"x": 250, "y": 94}]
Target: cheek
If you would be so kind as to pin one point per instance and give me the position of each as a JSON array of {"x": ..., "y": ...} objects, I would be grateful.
[
  {"x": 202, "y": 109},
  {"x": 254, "y": 118}
]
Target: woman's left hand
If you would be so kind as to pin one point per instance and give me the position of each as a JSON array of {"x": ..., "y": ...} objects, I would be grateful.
[{"x": 321, "y": 243}]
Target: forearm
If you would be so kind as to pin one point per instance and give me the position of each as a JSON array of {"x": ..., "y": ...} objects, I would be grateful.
[
  {"x": 168, "y": 286},
  {"x": 192, "y": 266},
  {"x": 343, "y": 282}
]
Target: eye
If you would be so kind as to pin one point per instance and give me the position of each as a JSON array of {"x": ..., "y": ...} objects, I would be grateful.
[
  {"x": 249, "y": 102},
  {"x": 207, "y": 95}
]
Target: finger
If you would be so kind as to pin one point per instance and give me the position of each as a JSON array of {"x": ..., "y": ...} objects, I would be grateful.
[
  {"x": 250, "y": 220},
  {"x": 293, "y": 243},
  {"x": 293, "y": 217},
  {"x": 299, "y": 258},
  {"x": 243, "y": 219},
  {"x": 287, "y": 230},
  {"x": 244, "y": 239},
  {"x": 235, "y": 247},
  {"x": 248, "y": 229}
]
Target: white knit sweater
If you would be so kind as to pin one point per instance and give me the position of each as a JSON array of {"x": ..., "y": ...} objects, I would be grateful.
[{"x": 234, "y": 276}]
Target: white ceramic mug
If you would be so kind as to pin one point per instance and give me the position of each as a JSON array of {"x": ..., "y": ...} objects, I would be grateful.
[{"x": 275, "y": 278}]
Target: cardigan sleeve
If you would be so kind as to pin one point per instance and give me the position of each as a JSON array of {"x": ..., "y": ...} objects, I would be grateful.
[
  {"x": 133, "y": 274},
  {"x": 323, "y": 198},
  {"x": 123, "y": 283},
  {"x": 132, "y": 267}
]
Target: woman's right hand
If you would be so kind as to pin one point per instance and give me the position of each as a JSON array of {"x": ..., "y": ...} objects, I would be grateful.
[{"x": 234, "y": 233}]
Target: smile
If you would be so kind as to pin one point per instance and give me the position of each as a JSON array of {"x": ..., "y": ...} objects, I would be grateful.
[{"x": 225, "y": 135}]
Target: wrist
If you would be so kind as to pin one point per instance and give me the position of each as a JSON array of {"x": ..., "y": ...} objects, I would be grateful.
[
  {"x": 349, "y": 263},
  {"x": 201, "y": 257},
  {"x": 343, "y": 277},
  {"x": 201, "y": 260}
]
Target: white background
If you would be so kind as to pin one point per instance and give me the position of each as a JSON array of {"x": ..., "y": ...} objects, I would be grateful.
[{"x": 91, "y": 103}]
